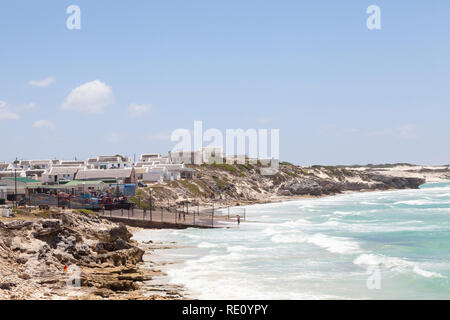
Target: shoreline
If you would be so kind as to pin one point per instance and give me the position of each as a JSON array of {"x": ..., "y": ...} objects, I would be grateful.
[
  {"x": 282, "y": 199},
  {"x": 103, "y": 279}
]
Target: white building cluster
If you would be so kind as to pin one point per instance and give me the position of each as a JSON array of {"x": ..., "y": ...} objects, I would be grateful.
[{"x": 150, "y": 168}]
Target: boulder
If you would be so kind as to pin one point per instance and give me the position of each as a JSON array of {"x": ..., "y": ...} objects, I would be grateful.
[{"x": 119, "y": 232}]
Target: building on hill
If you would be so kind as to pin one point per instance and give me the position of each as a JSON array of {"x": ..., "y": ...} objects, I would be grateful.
[
  {"x": 73, "y": 163},
  {"x": 40, "y": 164},
  {"x": 60, "y": 174},
  {"x": 109, "y": 162},
  {"x": 107, "y": 175},
  {"x": 35, "y": 174},
  {"x": 203, "y": 155}
]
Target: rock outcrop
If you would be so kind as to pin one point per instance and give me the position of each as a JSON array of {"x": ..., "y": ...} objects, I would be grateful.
[
  {"x": 38, "y": 256},
  {"x": 230, "y": 184}
]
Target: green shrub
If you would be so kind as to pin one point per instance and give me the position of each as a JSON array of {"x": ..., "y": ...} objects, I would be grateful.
[{"x": 85, "y": 212}]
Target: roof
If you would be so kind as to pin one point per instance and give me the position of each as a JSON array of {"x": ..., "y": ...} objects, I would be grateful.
[
  {"x": 9, "y": 174},
  {"x": 63, "y": 170},
  {"x": 24, "y": 180},
  {"x": 72, "y": 162},
  {"x": 109, "y": 159},
  {"x": 140, "y": 170},
  {"x": 77, "y": 182},
  {"x": 93, "y": 174},
  {"x": 38, "y": 162}
]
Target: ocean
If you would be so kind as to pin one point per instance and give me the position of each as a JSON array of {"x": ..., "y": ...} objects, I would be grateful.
[{"x": 369, "y": 245}]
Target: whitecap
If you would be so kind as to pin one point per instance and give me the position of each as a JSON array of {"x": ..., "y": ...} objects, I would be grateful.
[
  {"x": 334, "y": 244},
  {"x": 394, "y": 264},
  {"x": 207, "y": 245}
]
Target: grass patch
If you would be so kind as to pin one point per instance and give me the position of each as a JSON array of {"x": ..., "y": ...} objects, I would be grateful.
[
  {"x": 292, "y": 174},
  {"x": 85, "y": 212}
]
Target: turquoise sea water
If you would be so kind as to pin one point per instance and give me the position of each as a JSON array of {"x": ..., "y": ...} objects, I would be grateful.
[{"x": 323, "y": 248}]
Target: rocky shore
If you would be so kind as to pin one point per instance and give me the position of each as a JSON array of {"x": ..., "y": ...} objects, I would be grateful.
[
  {"x": 243, "y": 184},
  {"x": 68, "y": 255},
  {"x": 43, "y": 253}
]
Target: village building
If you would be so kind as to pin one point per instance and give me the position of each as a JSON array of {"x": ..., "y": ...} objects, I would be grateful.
[
  {"x": 3, "y": 193},
  {"x": 155, "y": 174},
  {"x": 60, "y": 175},
  {"x": 12, "y": 174},
  {"x": 35, "y": 174},
  {"x": 40, "y": 164},
  {"x": 18, "y": 186},
  {"x": 109, "y": 162},
  {"x": 107, "y": 175},
  {"x": 73, "y": 163},
  {"x": 4, "y": 166},
  {"x": 203, "y": 155},
  {"x": 150, "y": 157}
]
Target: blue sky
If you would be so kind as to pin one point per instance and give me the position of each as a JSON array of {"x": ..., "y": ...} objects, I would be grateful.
[{"x": 338, "y": 92}]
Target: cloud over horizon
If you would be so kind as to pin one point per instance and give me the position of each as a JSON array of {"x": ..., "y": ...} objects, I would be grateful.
[
  {"x": 43, "y": 124},
  {"x": 137, "y": 110},
  {"x": 91, "y": 97},
  {"x": 43, "y": 83},
  {"x": 6, "y": 114}
]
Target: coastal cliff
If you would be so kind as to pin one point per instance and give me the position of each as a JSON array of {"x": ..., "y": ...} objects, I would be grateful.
[{"x": 226, "y": 184}]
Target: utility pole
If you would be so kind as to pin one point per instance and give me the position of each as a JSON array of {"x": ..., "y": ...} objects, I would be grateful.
[
  {"x": 15, "y": 184},
  {"x": 151, "y": 204}
]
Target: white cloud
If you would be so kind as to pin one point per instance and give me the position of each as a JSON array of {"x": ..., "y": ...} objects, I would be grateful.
[
  {"x": 6, "y": 114},
  {"x": 44, "y": 124},
  {"x": 30, "y": 106},
  {"x": 406, "y": 131},
  {"x": 43, "y": 83},
  {"x": 137, "y": 110},
  {"x": 91, "y": 97}
]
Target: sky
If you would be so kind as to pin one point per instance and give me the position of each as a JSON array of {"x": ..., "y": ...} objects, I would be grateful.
[{"x": 135, "y": 71}]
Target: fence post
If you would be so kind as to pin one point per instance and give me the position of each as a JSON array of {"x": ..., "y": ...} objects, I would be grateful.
[
  {"x": 212, "y": 220},
  {"x": 128, "y": 214},
  {"x": 150, "y": 204}
]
